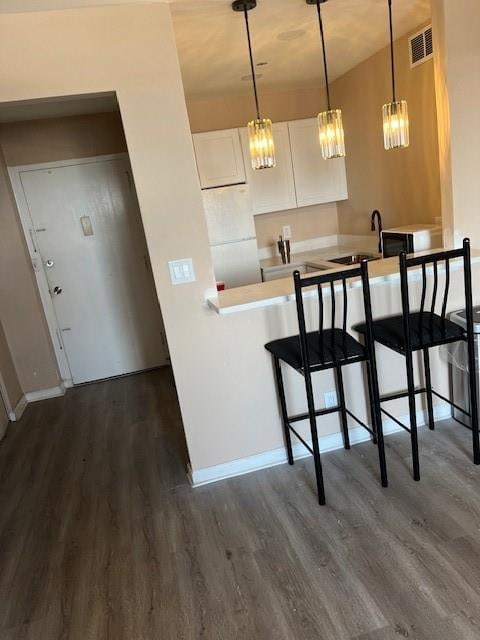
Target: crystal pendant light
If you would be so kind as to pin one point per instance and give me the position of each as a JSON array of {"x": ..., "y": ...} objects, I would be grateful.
[
  {"x": 395, "y": 114},
  {"x": 330, "y": 125},
  {"x": 260, "y": 135}
]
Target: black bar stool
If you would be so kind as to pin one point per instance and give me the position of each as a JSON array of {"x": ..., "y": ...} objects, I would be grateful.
[
  {"x": 323, "y": 349},
  {"x": 424, "y": 329}
]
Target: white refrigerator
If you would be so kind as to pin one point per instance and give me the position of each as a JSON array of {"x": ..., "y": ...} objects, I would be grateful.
[{"x": 232, "y": 235}]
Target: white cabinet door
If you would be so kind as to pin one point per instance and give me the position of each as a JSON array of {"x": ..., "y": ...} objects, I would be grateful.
[
  {"x": 219, "y": 158},
  {"x": 271, "y": 189},
  {"x": 316, "y": 180}
]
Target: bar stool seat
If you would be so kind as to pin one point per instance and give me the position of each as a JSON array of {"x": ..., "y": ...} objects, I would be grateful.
[
  {"x": 426, "y": 330},
  {"x": 327, "y": 349}
]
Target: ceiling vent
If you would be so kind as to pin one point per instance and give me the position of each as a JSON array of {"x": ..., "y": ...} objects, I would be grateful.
[{"x": 421, "y": 46}]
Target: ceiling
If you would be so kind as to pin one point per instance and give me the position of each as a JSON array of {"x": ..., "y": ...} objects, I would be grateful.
[
  {"x": 213, "y": 51},
  {"x": 19, "y": 6}
]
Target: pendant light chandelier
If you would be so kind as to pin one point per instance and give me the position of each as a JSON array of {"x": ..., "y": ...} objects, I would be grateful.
[
  {"x": 330, "y": 126},
  {"x": 260, "y": 136},
  {"x": 395, "y": 114}
]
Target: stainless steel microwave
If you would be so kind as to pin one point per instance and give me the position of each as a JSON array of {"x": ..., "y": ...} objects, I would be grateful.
[{"x": 411, "y": 239}]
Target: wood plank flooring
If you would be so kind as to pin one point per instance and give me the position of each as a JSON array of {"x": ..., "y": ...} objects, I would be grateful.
[{"x": 101, "y": 536}]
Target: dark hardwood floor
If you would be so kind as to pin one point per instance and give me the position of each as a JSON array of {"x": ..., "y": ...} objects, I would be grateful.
[{"x": 101, "y": 536}]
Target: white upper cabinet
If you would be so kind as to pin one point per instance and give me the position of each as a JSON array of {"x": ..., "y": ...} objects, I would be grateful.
[
  {"x": 271, "y": 189},
  {"x": 219, "y": 158},
  {"x": 317, "y": 180}
]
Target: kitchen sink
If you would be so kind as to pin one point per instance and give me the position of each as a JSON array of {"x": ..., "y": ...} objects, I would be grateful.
[{"x": 354, "y": 258}]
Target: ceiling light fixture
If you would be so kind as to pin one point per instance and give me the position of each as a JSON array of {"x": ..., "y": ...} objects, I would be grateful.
[
  {"x": 262, "y": 147},
  {"x": 395, "y": 114},
  {"x": 330, "y": 126}
]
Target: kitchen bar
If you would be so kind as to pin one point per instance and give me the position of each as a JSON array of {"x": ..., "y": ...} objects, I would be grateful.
[{"x": 381, "y": 271}]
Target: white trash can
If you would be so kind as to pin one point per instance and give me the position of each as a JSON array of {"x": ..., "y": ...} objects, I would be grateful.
[{"x": 458, "y": 358}]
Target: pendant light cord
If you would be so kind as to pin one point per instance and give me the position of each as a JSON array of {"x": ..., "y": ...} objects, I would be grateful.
[
  {"x": 252, "y": 66},
  {"x": 392, "y": 56},
  {"x": 320, "y": 23}
]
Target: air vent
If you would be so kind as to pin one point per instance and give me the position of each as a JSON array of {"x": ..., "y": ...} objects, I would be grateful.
[{"x": 421, "y": 46}]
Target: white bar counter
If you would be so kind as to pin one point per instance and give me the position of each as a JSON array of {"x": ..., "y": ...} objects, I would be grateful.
[{"x": 264, "y": 294}]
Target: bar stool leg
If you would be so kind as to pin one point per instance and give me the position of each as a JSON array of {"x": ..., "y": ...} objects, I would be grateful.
[
  {"x": 283, "y": 407},
  {"x": 313, "y": 429},
  {"x": 372, "y": 407},
  {"x": 374, "y": 394},
  {"x": 343, "y": 413},
  {"x": 413, "y": 414},
  {"x": 472, "y": 378},
  {"x": 428, "y": 386}
]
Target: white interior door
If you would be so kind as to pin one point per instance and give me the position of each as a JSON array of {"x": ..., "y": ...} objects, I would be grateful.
[{"x": 89, "y": 235}]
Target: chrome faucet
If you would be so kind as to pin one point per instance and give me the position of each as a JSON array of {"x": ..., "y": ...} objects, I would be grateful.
[{"x": 377, "y": 215}]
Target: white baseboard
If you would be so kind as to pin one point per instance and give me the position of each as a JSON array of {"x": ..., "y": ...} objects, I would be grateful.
[
  {"x": 278, "y": 456},
  {"x": 300, "y": 247},
  {"x": 17, "y": 413},
  {"x": 45, "y": 394}
]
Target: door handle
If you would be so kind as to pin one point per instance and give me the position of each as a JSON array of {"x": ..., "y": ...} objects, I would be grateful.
[{"x": 56, "y": 291}]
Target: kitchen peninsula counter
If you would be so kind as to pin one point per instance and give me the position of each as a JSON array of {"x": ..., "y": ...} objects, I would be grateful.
[{"x": 382, "y": 271}]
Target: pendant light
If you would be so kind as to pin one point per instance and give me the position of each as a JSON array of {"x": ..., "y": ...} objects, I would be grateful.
[
  {"x": 395, "y": 114},
  {"x": 260, "y": 135},
  {"x": 330, "y": 126}
]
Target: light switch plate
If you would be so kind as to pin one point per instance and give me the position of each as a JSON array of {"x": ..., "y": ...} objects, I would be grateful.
[
  {"x": 181, "y": 271},
  {"x": 287, "y": 232}
]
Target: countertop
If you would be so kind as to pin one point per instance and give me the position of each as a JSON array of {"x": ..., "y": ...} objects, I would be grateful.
[
  {"x": 280, "y": 291},
  {"x": 316, "y": 256}
]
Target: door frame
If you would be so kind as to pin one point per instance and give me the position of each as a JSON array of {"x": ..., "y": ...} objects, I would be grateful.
[{"x": 30, "y": 239}]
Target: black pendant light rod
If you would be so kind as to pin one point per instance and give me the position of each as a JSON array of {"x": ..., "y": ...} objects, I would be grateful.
[
  {"x": 392, "y": 56},
  {"x": 320, "y": 23},
  {"x": 252, "y": 66}
]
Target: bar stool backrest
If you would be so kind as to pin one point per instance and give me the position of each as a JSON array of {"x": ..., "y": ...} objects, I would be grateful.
[
  {"x": 430, "y": 308},
  {"x": 328, "y": 281}
]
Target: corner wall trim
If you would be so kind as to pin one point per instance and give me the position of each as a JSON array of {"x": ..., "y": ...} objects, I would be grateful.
[
  {"x": 17, "y": 413},
  {"x": 45, "y": 394},
  {"x": 327, "y": 443}
]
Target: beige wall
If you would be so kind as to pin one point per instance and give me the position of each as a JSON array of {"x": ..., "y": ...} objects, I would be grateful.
[
  {"x": 228, "y": 112},
  {"x": 305, "y": 223},
  {"x": 8, "y": 373},
  {"x": 54, "y": 139},
  {"x": 403, "y": 184},
  {"x": 20, "y": 307},
  {"x": 457, "y": 63}
]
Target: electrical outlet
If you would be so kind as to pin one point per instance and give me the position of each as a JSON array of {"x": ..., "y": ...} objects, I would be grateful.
[
  {"x": 330, "y": 399},
  {"x": 287, "y": 232}
]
